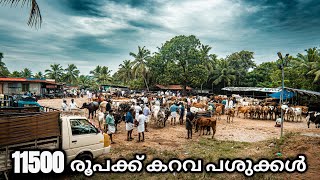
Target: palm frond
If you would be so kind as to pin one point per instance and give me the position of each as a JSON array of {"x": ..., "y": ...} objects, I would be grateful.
[{"x": 35, "y": 18}]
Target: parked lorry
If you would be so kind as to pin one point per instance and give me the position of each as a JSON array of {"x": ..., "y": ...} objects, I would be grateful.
[{"x": 28, "y": 128}]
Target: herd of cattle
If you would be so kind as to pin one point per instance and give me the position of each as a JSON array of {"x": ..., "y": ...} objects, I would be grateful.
[{"x": 205, "y": 118}]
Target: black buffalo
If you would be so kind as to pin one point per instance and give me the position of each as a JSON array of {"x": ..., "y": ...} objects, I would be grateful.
[
  {"x": 313, "y": 117},
  {"x": 92, "y": 107}
]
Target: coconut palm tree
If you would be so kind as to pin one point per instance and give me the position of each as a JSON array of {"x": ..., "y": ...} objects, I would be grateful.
[
  {"x": 15, "y": 74},
  {"x": 39, "y": 75},
  {"x": 310, "y": 62},
  {"x": 3, "y": 69},
  {"x": 101, "y": 74},
  {"x": 35, "y": 18},
  {"x": 140, "y": 63},
  {"x": 125, "y": 72},
  {"x": 96, "y": 71},
  {"x": 1, "y": 57},
  {"x": 56, "y": 72},
  {"x": 104, "y": 75},
  {"x": 315, "y": 70},
  {"x": 27, "y": 73},
  {"x": 84, "y": 81},
  {"x": 223, "y": 73},
  {"x": 71, "y": 74},
  {"x": 207, "y": 60}
]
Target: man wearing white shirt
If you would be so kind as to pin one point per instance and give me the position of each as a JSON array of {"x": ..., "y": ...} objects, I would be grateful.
[
  {"x": 73, "y": 105},
  {"x": 145, "y": 100},
  {"x": 89, "y": 94},
  {"x": 64, "y": 105},
  {"x": 137, "y": 110}
]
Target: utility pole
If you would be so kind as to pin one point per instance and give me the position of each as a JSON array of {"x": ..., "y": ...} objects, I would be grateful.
[{"x": 283, "y": 62}]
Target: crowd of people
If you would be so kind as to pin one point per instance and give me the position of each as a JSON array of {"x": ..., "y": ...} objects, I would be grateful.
[{"x": 139, "y": 114}]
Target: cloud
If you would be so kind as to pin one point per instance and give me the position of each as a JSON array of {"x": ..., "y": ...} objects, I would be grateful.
[{"x": 89, "y": 33}]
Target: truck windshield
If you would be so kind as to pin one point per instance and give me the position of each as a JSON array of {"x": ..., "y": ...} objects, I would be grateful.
[{"x": 82, "y": 126}]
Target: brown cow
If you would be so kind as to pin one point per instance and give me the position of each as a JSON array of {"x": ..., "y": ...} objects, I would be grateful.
[
  {"x": 204, "y": 122},
  {"x": 252, "y": 110},
  {"x": 230, "y": 114},
  {"x": 258, "y": 111},
  {"x": 198, "y": 105},
  {"x": 290, "y": 113},
  {"x": 244, "y": 110},
  {"x": 218, "y": 112},
  {"x": 265, "y": 112}
]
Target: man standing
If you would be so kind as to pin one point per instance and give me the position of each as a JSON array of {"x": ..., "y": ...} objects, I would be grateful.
[
  {"x": 181, "y": 113},
  {"x": 110, "y": 126},
  {"x": 141, "y": 121},
  {"x": 145, "y": 100},
  {"x": 146, "y": 113},
  {"x": 129, "y": 124},
  {"x": 137, "y": 109},
  {"x": 64, "y": 105},
  {"x": 89, "y": 94},
  {"x": 73, "y": 105},
  {"x": 224, "y": 102},
  {"x": 189, "y": 119},
  {"x": 173, "y": 110},
  {"x": 108, "y": 106}
]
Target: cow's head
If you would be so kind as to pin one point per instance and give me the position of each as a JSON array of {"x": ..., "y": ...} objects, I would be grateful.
[{"x": 84, "y": 105}]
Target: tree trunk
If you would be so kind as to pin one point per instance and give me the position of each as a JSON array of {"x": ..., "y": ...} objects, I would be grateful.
[
  {"x": 184, "y": 88},
  {"x": 145, "y": 81}
]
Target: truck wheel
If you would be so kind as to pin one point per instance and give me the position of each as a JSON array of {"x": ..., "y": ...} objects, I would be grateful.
[{"x": 84, "y": 157}]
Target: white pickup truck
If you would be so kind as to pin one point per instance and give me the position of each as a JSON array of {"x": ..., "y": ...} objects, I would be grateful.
[{"x": 49, "y": 130}]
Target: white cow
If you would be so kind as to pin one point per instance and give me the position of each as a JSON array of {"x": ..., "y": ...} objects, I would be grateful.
[
  {"x": 195, "y": 110},
  {"x": 297, "y": 113}
]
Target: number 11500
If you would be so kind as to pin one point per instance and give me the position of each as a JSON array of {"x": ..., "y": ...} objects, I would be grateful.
[{"x": 38, "y": 161}]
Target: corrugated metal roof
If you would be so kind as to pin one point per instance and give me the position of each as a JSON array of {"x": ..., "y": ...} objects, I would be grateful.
[
  {"x": 300, "y": 91},
  {"x": 303, "y": 92},
  {"x": 260, "y": 89}
]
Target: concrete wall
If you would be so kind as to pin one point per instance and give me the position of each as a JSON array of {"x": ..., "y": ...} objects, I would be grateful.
[{"x": 35, "y": 88}]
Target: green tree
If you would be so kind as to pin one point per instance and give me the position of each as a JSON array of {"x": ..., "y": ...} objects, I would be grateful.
[
  {"x": 3, "y": 69},
  {"x": 140, "y": 63},
  {"x": 27, "y": 73},
  {"x": 34, "y": 15},
  {"x": 56, "y": 72},
  {"x": 124, "y": 73},
  {"x": 223, "y": 73},
  {"x": 16, "y": 74},
  {"x": 104, "y": 77},
  {"x": 39, "y": 75},
  {"x": 96, "y": 71},
  {"x": 1, "y": 57},
  {"x": 182, "y": 54},
  {"x": 85, "y": 81},
  {"x": 71, "y": 73},
  {"x": 241, "y": 62},
  {"x": 101, "y": 74},
  {"x": 208, "y": 61},
  {"x": 260, "y": 76}
]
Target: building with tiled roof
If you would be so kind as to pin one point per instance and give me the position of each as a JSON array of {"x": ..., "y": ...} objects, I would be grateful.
[{"x": 10, "y": 85}]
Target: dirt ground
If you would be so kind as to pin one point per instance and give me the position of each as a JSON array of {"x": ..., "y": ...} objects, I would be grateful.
[
  {"x": 242, "y": 130},
  {"x": 249, "y": 138}
]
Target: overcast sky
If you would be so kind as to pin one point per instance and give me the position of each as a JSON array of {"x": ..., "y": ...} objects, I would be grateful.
[{"x": 103, "y": 32}]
